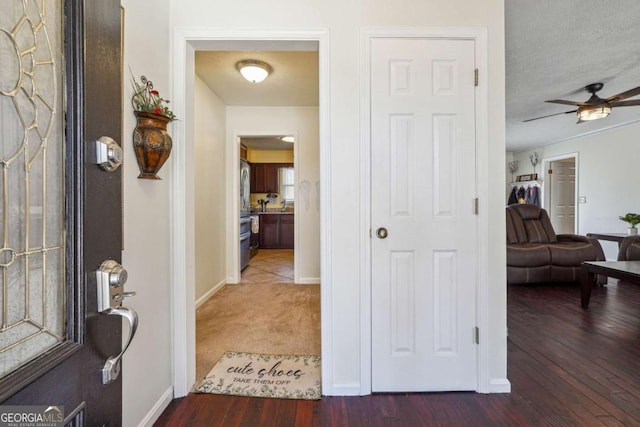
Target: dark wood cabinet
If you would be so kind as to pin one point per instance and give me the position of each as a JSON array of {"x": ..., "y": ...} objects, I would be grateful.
[
  {"x": 276, "y": 231},
  {"x": 285, "y": 232},
  {"x": 264, "y": 177}
]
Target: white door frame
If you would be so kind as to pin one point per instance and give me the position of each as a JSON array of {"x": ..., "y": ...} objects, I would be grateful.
[
  {"x": 479, "y": 35},
  {"x": 232, "y": 223},
  {"x": 544, "y": 197},
  {"x": 185, "y": 42}
]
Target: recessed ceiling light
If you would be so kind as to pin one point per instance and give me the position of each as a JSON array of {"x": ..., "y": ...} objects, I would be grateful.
[{"x": 253, "y": 70}]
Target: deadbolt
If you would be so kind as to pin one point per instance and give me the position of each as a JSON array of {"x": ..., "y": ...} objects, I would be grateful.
[
  {"x": 108, "y": 154},
  {"x": 382, "y": 233},
  {"x": 111, "y": 278}
]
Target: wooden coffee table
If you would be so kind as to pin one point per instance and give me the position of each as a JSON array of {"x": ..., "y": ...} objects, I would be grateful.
[{"x": 628, "y": 271}]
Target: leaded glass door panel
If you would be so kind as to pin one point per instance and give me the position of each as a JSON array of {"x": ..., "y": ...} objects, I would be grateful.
[{"x": 60, "y": 91}]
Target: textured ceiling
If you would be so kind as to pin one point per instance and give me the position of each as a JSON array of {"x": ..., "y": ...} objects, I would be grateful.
[{"x": 555, "y": 48}]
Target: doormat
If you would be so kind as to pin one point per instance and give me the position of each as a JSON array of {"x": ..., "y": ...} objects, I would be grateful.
[{"x": 264, "y": 375}]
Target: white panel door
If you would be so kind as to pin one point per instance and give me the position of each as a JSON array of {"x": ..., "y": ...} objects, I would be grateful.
[
  {"x": 423, "y": 175},
  {"x": 562, "y": 197}
]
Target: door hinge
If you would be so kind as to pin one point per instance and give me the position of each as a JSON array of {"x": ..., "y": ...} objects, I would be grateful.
[
  {"x": 475, "y": 206},
  {"x": 477, "y": 335},
  {"x": 475, "y": 77}
]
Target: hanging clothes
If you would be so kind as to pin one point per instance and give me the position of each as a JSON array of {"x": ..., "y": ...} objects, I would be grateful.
[
  {"x": 521, "y": 194},
  {"x": 534, "y": 195},
  {"x": 513, "y": 199}
]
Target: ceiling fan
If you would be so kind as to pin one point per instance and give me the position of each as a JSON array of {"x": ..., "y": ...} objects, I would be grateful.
[{"x": 595, "y": 107}]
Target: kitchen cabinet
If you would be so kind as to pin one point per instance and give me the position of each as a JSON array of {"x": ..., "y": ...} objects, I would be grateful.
[
  {"x": 276, "y": 231},
  {"x": 264, "y": 177}
]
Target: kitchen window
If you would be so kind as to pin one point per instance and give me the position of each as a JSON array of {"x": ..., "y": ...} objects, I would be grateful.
[{"x": 287, "y": 184}]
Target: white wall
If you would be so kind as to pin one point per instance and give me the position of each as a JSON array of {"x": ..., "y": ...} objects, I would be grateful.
[
  {"x": 607, "y": 165},
  {"x": 147, "y": 374},
  {"x": 303, "y": 121},
  {"x": 147, "y": 363},
  {"x": 210, "y": 185},
  {"x": 344, "y": 21}
]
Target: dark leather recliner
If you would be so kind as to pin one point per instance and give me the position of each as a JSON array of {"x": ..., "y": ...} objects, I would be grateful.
[
  {"x": 535, "y": 254},
  {"x": 629, "y": 249}
]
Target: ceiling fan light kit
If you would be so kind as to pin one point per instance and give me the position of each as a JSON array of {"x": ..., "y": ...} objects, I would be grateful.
[
  {"x": 595, "y": 107},
  {"x": 253, "y": 70},
  {"x": 593, "y": 113}
]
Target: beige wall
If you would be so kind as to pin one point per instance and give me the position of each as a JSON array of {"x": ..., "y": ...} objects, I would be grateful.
[
  {"x": 269, "y": 156},
  {"x": 146, "y": 372},
  {"x": 210, "y": 183}
]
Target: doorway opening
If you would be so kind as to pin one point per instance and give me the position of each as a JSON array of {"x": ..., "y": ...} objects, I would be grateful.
[
  {"x": 560, "y": 190},
  {"x": 254, "y": 120}
]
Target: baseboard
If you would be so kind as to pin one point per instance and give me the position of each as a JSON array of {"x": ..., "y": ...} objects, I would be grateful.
[
  {"x": 158, "y": 409},
  {"x": 308, "y": 281},
  {"x": 352, "y": 389},
  {"x": 499, "y": 385},
  {"x": 211, "y": 292}
]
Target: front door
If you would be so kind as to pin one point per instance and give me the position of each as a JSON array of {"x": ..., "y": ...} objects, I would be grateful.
[
  {"x": 60, "y": 91},
  {"x": 424, "y": 235}
]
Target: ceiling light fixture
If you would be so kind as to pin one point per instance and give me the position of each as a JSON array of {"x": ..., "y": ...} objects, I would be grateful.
[
  {"x": 253, "y": 70},
  {"x": 288, "y": 139},
  {"x": 593, "y": 112}
]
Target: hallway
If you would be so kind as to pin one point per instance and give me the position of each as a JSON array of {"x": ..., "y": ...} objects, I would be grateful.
[{"x": 265, "y": 313}]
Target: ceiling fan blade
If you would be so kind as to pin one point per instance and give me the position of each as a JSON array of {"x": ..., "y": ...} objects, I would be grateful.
[
  {"x": 625, "y": 103},
  {"x": 624, "y": 95},
  {"x": 562, "y": 101},
  {"x": 550, "y": 115}
]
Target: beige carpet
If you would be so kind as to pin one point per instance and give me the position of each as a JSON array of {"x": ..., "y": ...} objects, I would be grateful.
[{"x": 266, "y": 318}]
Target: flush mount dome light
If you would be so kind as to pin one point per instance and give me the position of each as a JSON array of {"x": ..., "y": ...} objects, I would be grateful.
[{"x": 253, "y": 70}]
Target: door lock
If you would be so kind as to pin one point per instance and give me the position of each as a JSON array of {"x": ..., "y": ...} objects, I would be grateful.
[
  {"x": 110, "y": 279},
  {"x": 108, "y": 154}
]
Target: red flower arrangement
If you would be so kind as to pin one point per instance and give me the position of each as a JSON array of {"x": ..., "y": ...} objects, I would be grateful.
[{"x": 146, "y": 98}]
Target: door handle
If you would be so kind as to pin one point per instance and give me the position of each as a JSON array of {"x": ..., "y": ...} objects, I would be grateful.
[
  {"x": 382, "y": 233},
  {"x": 111, "y": 369},
  {"x": 110, "y": 279}
]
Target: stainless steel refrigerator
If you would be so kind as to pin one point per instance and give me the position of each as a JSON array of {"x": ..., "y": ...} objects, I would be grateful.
[{"x": 245, "y": 211}]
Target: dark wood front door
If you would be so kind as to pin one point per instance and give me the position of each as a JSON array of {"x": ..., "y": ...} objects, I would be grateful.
[{"x": 62, "y": 214}]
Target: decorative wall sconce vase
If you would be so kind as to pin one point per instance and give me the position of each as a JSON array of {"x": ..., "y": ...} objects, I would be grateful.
[{"x": 151, "y": 143}]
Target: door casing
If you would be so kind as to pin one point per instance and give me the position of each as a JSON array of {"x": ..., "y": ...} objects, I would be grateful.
[
  {"x": 544, "y": 197},
  {"x": 186, "y": 42},
  {"x": 479, "y": 35}
]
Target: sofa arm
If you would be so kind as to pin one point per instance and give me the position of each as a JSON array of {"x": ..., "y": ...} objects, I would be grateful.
[
  {"x": 573, "y": 238},
  {"x": 578, "y": 238}
]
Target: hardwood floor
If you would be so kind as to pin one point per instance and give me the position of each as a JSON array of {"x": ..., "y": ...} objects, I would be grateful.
[{"x": 567, "y": 366}]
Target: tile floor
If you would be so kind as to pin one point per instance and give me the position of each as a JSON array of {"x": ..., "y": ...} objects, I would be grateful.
[{"x": 269, "y": 266}]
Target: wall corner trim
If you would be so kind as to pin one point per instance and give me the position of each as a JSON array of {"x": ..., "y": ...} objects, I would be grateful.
[
  {"x": 157, "y": 410},
  {"x": 211, "y": 292},
  {"x": 499, "y": 385}
]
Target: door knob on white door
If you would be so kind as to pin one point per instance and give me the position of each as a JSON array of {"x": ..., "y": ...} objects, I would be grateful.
[{"x": 382, "y": 233}]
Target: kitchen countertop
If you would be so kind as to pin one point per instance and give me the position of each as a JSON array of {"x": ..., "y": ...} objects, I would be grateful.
[{"x": 274, "y": 213}]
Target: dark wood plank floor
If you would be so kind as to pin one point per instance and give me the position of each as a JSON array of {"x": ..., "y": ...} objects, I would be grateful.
[{"x": 567, "y": 367}]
